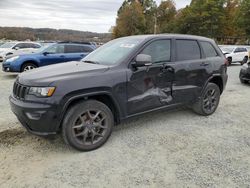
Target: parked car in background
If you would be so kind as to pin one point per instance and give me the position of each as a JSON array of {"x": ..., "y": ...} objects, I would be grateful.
[
  {"x": 235, "y": 54},
  {"x": 245, "y": 73},
  {"x": 16, "y": 48},
  {"x": 124, "y": 78},
  {"x": 52, "y": 54},
  {"x": 1, "y": 43}
]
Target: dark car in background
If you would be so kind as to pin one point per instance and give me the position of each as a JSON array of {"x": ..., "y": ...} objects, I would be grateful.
[
  {"x": 122, "y": 79},
  {"x": 48, "y": 55},
  {"x": 245, "y": 73}
]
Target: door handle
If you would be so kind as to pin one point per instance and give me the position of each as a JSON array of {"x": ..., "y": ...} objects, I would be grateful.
[
  {"x": 62, "y": 56},
  {"x": 204, "y": 64},
  {"x": 168, "y": 68}
]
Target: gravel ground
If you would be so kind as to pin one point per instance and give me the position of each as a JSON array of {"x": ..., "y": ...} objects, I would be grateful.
[{"x": 167, "y": 149}]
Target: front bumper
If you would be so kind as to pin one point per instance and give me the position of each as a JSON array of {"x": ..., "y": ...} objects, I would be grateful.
[
  {"x": 39, "y": 119},
  {"x": 7, "y": 68},
  {"x": 245, "y": 74}
]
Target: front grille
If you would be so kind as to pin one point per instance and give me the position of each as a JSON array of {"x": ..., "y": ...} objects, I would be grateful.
[{"x": 20, "y": 91}]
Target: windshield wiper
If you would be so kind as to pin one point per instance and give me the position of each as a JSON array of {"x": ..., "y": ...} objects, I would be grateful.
[{"x": 92, "y": 62}]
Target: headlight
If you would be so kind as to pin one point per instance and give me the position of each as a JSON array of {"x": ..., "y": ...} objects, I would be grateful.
[
  {"x": 42, "y": 91},
  {"x": 12, "y": 59}
]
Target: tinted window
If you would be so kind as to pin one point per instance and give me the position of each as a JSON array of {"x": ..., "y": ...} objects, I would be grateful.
[
  {"x": 160, "y": 51},
  {"x": 21, "y": 45},
  {"x": 187, "y": 50},
  {"x": 32, "y": 45},
  {"x": 237, "y": 50},
  {"x": 77, "y": 49},
  {"x": 208, "y": 49}
]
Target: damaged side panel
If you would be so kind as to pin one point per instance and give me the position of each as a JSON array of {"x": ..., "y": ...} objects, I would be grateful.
[{"x": 149, "y": 88}]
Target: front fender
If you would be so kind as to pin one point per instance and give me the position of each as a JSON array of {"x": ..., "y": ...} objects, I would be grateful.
[{"x": 69, "y": 99}]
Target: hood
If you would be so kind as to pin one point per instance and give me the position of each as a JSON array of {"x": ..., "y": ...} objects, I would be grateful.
[
  {"x": 5, "y": 50},
  {"x": 45, "y": 76}
]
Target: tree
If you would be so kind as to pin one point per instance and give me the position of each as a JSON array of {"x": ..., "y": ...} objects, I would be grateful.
[
  {"x": 166, "y": 13},
  {"x": 243, "y": 17},
  {"x": 130, "y": 21},
  {"x": 202, "y": 17}
]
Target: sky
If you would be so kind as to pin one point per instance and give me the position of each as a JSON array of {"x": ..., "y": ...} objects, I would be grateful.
[{"x": 84, "y": 15}]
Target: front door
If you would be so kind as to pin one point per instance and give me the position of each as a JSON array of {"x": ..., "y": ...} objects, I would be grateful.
[
  {"x": 55, "y": 54},
  {"x": 150, "y": 87}
]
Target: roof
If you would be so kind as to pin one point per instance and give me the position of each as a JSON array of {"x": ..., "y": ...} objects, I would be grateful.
[{"x": 171, "y": 36}]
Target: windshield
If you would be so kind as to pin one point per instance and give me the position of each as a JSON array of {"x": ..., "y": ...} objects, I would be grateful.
[
  {"x": 8, "y": 45},
  {"x": 227, "y": 49},
  {"x": 114, "y": 51},
  {"x": 45, "y": 48}
]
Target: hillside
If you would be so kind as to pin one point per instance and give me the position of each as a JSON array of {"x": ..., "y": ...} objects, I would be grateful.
[{"x": 24, "y": 33}]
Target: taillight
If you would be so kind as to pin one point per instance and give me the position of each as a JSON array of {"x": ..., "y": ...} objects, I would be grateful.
[{"x": 226, "y": 62}]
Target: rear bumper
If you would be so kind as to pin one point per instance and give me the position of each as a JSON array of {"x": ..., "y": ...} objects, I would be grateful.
[{"x": 39, "y": 119}]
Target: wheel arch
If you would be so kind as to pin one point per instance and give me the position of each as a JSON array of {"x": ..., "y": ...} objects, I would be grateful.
[
  {"x": 104, "y": 97},
  {"x": 216, "y": 79},
  {"x": 29, "y": 61}
]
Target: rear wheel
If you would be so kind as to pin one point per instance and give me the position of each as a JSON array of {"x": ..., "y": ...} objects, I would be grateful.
[
  {"x": 28, "y": 66},
  {"x": 87, "y": 125},
  {"x": 209, "y": 100}
]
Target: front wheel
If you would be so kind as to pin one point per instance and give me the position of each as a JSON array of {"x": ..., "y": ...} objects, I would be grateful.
[
  {"x": 28, "y": 66},
  {"x": 209, "y": 101},
  {"x": 87, "y": 125}
]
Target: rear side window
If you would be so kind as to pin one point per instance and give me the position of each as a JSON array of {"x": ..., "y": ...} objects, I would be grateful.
[
  {"x": 187, "y": 50},
  {"x": 77, "y": 49},
  {"x": 159, "y": 50},
  {"x": 208, "y": 49}
]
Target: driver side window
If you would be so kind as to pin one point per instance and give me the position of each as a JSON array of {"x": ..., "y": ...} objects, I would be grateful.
[
  {"x": 56, "y": 49},
  {"x": 159, "y": 50}
]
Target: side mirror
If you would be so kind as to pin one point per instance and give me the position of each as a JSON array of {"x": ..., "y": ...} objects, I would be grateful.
[
  {"x": 45, "y": 53},
  {"x": 143, "y": 60},
  {"x": 16, "y": 48}
]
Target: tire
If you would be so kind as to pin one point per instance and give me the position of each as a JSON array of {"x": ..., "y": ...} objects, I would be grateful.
[
  {"x": 28, "y": 66},
  {"x": 244, "y": 60},
  {"x": 211, "y": 95},
  {"x": 229, "y": 59},
  {"x": 87, "y": 125},
  {"x": 243, "y": 81}
]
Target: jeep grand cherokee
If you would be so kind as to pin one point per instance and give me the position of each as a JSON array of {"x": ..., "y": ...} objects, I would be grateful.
[{"x": 124, "y": 78}]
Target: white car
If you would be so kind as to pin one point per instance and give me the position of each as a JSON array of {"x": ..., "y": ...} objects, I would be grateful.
[
  {"x": 17, "y": 48},
  {"x": 235, "y": 54}
]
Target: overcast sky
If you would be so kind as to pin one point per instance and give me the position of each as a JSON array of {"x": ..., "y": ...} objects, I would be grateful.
[{"x": 84, "y": 15}]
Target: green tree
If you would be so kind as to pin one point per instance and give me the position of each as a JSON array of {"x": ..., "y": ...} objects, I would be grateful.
[
  {"x": 130, "y": 21},
  {"x": 244, "y": 17},
  {"x": 166, "y": 13},
  {"x": 202, "y": 17}
]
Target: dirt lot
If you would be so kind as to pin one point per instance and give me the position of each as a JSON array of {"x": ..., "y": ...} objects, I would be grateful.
[{"x": 167, "y": 149}]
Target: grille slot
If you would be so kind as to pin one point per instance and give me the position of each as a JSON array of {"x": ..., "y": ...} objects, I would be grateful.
[{"x": 19, "y": 91}]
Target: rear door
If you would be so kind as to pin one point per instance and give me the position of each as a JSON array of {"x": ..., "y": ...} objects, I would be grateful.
[
  {"x": 191, "y": 70},
  {"x": 150, "y": 87}
]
